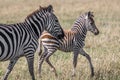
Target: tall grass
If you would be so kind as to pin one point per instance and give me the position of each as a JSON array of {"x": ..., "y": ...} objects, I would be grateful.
[{"x": 104, "y": 49}]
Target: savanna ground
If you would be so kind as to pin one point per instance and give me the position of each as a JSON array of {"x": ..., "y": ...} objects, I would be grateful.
[{"x": 104, "y": 49}]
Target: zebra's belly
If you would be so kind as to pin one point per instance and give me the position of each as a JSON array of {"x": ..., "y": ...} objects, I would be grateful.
[
  {"x": 5, "y": 55},
  {"x": 5, "y": 50},
  {"x": 67, "y": 48},
  {"x": 66, "y": 45},
  {"x": 8, "y": 52}
]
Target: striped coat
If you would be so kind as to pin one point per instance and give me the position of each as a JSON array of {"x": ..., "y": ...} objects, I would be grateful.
[
  {"x": 21, "y": 39},
  {"x": 72, "y": 42}
]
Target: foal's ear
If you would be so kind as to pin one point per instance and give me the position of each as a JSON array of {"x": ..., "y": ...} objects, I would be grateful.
[
  {"x": 89, "y": 14},
  {"x": 50, "y": 8},
  {"x": 86, "y": 15}
]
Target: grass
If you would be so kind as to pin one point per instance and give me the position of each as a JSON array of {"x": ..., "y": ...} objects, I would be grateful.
[{"x": 104, "y": 49}]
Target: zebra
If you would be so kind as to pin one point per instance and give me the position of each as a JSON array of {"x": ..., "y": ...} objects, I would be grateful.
[
  {"x": 21, "y": 39},
  {"x": 72, "y": 42}
]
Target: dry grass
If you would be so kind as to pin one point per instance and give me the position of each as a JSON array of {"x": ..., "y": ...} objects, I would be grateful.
[{"x": 104, "y": 49}]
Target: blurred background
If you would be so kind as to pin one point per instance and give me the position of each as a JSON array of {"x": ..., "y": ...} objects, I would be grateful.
[{"x": 104, "y": 49}]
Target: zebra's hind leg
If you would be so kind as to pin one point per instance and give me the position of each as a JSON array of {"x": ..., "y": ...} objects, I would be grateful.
[
  {"x": 41, "y": 59},
  {"x": 82, "y": 52},
  {"x": 39, "y": 49},
  {"x": 30, "y": 61},
  {"x": 75, "y": 53},
  {"x": 9, "y": 69},
  {"x": 50, "y": 52}
]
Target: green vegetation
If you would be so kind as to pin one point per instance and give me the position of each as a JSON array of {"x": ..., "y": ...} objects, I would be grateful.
[{"x": 104, "y": 49}]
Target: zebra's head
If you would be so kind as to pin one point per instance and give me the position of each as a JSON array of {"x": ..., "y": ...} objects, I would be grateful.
[
  {"x": 53, "y": 26},
  {"x": 44, "y": 19},
  {"x": 90, "y": 24}
]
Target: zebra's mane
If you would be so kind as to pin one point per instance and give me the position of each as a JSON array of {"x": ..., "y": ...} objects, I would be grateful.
[
  {"x": 78, "y": 25},
  {"x": 82, "y": 16},
  {"x": 36, "y": 11}
]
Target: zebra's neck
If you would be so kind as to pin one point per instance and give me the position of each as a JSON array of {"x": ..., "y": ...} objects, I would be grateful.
[
  {"x": 79, "y": 28},
  {"x": 36, "y": 24}
]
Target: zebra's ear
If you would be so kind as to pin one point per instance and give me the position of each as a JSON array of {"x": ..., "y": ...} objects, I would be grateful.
[
  {"x": 90, "y": 14},
  {"x": 50, "y": 8},
  {"x": 40, "y": 7},
  {"x": 86, "y": 16}
]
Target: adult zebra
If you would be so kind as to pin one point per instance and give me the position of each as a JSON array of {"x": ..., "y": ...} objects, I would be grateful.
[
  {"x": 72, "y": 42},
  {"x": 21, "y": 39}
]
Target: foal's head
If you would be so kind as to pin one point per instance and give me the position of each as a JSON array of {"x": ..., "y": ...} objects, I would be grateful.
[{"x": 90, "y": 23}]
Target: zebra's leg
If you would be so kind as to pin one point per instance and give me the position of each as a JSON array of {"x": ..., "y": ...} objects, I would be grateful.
[
  {"x": 82, "y": 52},
  {"x": 41, "y": 59},
  {"x": 30, "y": 61},
  {"x": 9, "y": 69},
  {"x": 75, "y": 53},
  {"x": 39, "y": 49},
  {"x": 50, "y": 52}
]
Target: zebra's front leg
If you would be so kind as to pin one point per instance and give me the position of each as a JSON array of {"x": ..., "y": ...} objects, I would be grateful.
[
  {"x": 30, "y": 61},
  {"x": 75, "y": 53},
  {"x": 9, "y": 69},
  {"x": 82, "y": 52},
  {"x": 50, "y": 52}
]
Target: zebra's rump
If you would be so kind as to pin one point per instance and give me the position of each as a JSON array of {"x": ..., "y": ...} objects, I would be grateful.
[{"x": 50, "y": 42}]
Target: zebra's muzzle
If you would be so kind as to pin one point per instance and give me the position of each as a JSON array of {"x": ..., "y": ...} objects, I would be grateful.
[
  {"x": 96, "y": 32},
  {"x": 61, "y": 36}
]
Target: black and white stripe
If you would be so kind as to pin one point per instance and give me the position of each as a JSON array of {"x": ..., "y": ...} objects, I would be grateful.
[
  {"x": 21, "y": 39},
  {"x": 72, "y": 42}
]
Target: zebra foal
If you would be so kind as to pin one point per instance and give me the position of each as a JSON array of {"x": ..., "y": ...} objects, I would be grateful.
[
  {"x": 21, "y": 39},
  {"x": 72, "y": 42}
]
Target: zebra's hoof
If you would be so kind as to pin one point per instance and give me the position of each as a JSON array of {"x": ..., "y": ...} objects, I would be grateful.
[{"x": 73, "y": 75}]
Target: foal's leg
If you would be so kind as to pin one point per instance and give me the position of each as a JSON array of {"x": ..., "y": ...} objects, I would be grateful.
[
  {"x": 75, "y": 53},
  {"x": 82, "y": 52},
  {"x": 50, "y": 52},
  {"x": 39, "y": 49},
  {"x": 41, "y": 59}
]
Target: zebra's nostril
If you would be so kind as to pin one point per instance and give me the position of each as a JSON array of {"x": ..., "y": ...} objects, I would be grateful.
[{"x": 96, "y": 31}]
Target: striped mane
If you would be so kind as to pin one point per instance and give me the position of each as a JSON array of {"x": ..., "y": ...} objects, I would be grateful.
[{"x": 36, "y": 11}]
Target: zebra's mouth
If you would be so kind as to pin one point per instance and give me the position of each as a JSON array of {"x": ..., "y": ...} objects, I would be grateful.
[{"x": 96, "y": 32}]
